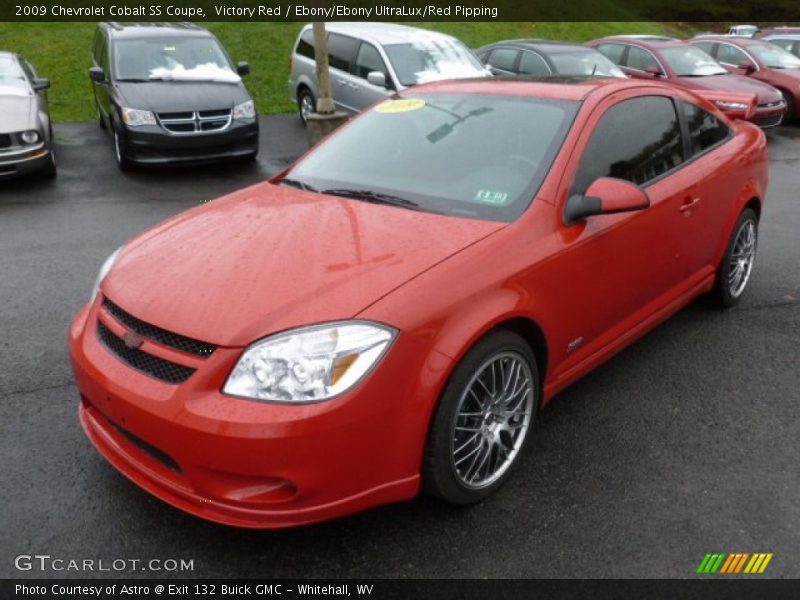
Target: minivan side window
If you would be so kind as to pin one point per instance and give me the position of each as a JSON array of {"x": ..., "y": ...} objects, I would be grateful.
[
  {"x": 368, "y": 59},
  {"x": 637, "y": 140},
  {"x": 612, "y": 52},
  {"x": 305, "y": 45},
  {"x": 705, "y": 130},
  {"x": 340, "y": 51}
]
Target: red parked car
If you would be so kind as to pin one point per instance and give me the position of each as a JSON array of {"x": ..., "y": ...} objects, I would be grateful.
[
  {"x": 681, "y": 64},
  {"x": 759, "y": 60},
  {"x": 390, "y": 313}
]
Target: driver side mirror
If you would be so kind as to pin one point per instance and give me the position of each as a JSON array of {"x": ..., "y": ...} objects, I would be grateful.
[
  {"x": 747, "y": 66},
  {"x": 606, "y": 196},
  {"x": 96, "y": 74},
  {"x": 39, "y": 84},
  {"x": 243, "y": 68},
  {"x": 654, "y": 70},
  {"x": 377, "y": 78}
]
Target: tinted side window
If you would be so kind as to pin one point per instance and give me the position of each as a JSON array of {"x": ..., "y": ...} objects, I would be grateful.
[
  {"x": 305, "y": 45},
  {"x": 705, "y": 130},
  {"x": 640, "y": 59},
  {"x": 730, "y": 55},
  {"x": 340, "y": 51},
  {"x": 503, "y": 59},
  {"x": 533, "y": 64},
  {"x": 368, "y": 59},
  {"x": 636, "y": 140},
  {"x": 783, "y": 43},
  {"x": 612, "y": 52},
  {"x": 706, "y": 47}
]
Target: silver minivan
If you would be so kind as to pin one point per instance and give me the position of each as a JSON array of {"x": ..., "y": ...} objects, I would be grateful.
[{"x": 370, "y": 61}]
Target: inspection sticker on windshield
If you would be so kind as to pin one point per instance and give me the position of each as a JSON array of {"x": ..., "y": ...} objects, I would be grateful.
[
  {"x": 491, "y": 197},
  {"x": 401, "y": 105}
]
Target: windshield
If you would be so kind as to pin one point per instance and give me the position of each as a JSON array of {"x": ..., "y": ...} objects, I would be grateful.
[
  {"x": 182, "y": 59},
  {"x": 472, "y": 155},
  {"x": 690, "y": 61},
  {"x": 427, "y": 59},
  {"x": 584, "y": 62},
  {"x": 10, "y": 73},
  {"x": 774, "y": 57}
]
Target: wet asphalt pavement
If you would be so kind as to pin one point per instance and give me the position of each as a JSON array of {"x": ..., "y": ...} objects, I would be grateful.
[{"x": 688, "y": 442}]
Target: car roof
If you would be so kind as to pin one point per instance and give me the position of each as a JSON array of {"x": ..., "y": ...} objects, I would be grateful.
[
  {"x": 5, "y": 54},
  {"x": 153, "y": 30},
  {"x": 784, "y": 36},
  {"x": 538, "y": 44},
  {"x": 734, "y": 39},
  {"x": 562, "y": 87},
  {"x": 383, "y": 33},
  {"x": 652, "y": 43}
]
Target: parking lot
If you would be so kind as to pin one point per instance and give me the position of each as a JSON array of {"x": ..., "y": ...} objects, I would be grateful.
[{"x": 685, "y": 443}]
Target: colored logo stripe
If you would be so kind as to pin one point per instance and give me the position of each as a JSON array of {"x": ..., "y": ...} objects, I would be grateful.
[{"x": 735, "y": 563}]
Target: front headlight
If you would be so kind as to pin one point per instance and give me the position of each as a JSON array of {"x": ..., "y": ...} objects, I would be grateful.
[
  {"x": 30, "y": 137},
  {"x": 245, "y": 110},
  {"x": 309, "y": 364},
  {"x": 109, "y": 262},
  {"x": 133, "y": 117},
  {"x": 725, "y": 105}
]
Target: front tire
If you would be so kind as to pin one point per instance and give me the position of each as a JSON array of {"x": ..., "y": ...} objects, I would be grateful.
[
  {"x": 482, "y": 422},
  {"x": 789, "y": 114},
  {"x": 50, "y": 171},
  {"x": 306, "y": 104},
  {"x": 737, "y": 264},
  {"x": 121, "y": 152}
]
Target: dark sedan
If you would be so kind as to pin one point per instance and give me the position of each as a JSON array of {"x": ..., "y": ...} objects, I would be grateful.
[
  {"x": 545, "y": 57},
  {"x": 25, "y": 133}
]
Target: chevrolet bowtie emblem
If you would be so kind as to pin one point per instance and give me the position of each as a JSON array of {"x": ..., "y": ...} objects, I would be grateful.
[{"x": 133, "y": 340}]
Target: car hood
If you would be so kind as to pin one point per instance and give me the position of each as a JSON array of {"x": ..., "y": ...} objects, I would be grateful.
[
  {"x": 180, "y": 96},
  {"x": 764, "y": 93},
  {"x": 269, "y": 258},
  {"x": 17, "y": 109}
]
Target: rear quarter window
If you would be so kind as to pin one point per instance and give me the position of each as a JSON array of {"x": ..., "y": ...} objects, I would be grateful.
[
  {"x": 705, "y": 130},
  {"x": 340, "y": 51},
  {"x": 305, "y": 45}
]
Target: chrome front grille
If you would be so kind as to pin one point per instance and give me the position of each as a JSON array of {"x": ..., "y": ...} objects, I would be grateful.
[{"x": 196, "y": 122}]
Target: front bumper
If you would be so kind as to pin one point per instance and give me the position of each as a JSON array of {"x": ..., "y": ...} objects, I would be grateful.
[
  {"x": 152, "y": 145},
  {"x": 771, "y": 116},
  {"x": 254, "y": 464},
  {"x": 23, "y": 160}
]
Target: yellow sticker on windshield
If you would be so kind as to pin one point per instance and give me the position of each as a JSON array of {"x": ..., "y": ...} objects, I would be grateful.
[{"x": 400, "y": 105}]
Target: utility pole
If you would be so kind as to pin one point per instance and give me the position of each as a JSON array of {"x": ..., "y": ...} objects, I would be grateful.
[{"x": 327, "y": 118}]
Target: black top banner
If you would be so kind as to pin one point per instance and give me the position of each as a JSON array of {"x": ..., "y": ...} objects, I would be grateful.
[{"x": 780, "y": 11}]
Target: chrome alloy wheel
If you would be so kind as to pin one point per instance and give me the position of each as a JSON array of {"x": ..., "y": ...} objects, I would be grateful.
[
  {"x": 492, "y": 420},
  {"x": 742, "y": 257},
  {"x": 306, "y": 105}
]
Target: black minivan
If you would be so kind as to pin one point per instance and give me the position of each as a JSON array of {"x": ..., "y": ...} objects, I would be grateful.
[{"x": 169, "y": 93}]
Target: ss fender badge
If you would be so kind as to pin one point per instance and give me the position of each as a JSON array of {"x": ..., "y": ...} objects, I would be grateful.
[
  {"x": 133, "y": 340},
  {"x": 574, "y": 345}
]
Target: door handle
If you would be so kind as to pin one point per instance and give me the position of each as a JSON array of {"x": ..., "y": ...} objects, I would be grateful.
[{"x": 689, "y": 203}]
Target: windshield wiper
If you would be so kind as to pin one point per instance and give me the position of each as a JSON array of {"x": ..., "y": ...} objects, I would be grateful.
[
  {"x": 297, "y": 184},
  {"x": 374, "y": 197}
]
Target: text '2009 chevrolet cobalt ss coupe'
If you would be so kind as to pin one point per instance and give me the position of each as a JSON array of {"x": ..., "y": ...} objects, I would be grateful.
[{"x": 389, "y": 313}]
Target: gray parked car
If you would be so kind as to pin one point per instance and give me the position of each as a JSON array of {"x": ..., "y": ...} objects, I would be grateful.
[
  {"x": 546, "y": 57},
  {"x": 788, "y": 41},
  {"x": 370, "y": 61},
  {"x": 25, "y": 132}
]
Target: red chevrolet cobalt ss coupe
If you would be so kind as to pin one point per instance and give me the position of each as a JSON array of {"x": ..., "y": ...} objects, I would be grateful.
[{"x": 389, "y": 313}]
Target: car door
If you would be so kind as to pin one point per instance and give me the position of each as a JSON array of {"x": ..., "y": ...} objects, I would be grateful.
[
  {"x": 625, "y": 267},
  {"x": 100, "y": 58},
  {"x": 368, "y": 59},
  {"x": 345, "y": 87}
]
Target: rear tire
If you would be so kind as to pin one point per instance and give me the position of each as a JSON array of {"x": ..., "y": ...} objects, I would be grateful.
[
  {"x": 483, "y": 419},
  {"x": 306, "y": 103},
  {"x": 737, "y": 264}
]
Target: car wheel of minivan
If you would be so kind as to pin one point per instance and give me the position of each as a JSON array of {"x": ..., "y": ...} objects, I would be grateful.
[
  {"x": 737, "y": 264},
  {"x": 482, "y": 421},
  {"x": 306, "y": 104},
  {"x": 121, "y": 152}
]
